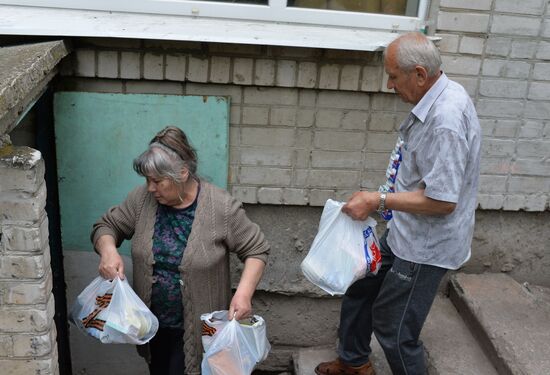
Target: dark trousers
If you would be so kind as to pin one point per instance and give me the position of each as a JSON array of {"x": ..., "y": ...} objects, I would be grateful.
[
  {"x": 167, "y": 356},
  {"x": 394, "y": 305}
]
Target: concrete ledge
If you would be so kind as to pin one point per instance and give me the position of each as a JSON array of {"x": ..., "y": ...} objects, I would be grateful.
[
  {"x": 25, "y": 71},
  {"x": 511, "y": 323}
]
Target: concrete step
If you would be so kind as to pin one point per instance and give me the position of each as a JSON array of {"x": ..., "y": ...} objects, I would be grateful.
[
  {"x": 306, "y": 359},
  {"x": 510, "y": 321},
  {"x": 450, "y": 346}
]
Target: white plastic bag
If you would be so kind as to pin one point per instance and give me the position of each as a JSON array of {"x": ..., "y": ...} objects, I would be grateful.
[
  {"x": 232, "y": 347},
  {"x": 110, "y": 311},
  {"x": 343, "y": 251}
]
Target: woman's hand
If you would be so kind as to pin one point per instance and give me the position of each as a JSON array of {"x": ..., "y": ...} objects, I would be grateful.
[
  {"x": 240, "y": 307},
  {"x": 111, "y": 264}
]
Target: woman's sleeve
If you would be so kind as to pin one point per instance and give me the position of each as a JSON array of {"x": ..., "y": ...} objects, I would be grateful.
[
  {"x": 243, "y": 236},
  {"x": 119, "y": 221}
]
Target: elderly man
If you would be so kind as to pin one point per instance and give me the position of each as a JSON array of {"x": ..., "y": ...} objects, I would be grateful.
[{"x": 433, "y": 204}]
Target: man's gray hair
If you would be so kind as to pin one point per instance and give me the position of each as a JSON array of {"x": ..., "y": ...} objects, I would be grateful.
[
  {"x": 159, "y": 161},
  {"x": 416, "y": 49}
]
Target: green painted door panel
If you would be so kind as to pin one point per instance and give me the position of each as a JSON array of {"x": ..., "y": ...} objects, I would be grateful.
[{"x": 99, "y": 135}]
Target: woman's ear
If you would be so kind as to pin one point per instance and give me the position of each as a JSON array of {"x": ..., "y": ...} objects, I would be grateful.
[{"x": 184, "y": 174}]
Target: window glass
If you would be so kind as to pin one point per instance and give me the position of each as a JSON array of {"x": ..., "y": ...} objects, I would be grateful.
[{"x": 397, "y": 7}]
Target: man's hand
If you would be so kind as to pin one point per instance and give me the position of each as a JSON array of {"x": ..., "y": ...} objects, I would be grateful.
[{"x": 361, "y": 205}]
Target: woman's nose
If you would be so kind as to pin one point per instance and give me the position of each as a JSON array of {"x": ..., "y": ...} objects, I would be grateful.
[{"x": 151, "y": 187}]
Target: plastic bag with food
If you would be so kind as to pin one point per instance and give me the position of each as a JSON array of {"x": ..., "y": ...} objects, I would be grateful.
[
  {"x": 232, "y": 347},
  {"x": 110, "y": 311}
]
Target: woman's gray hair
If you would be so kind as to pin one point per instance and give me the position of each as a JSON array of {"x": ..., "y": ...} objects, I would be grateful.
[
  {"x": 416, "y": 49},
  {"x": 159, "y": 161}
]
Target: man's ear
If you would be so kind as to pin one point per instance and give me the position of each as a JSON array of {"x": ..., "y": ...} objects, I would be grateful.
[{"x": 421, "y": 75}]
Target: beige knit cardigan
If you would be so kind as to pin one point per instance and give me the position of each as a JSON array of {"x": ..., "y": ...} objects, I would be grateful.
[{"x": 220, "y": 226}]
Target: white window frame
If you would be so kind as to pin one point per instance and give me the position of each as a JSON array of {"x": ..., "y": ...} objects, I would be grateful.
[{"x": 275, "y": 11}]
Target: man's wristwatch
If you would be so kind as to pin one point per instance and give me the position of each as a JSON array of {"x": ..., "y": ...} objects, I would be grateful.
[{"x": 382, "y": 203}]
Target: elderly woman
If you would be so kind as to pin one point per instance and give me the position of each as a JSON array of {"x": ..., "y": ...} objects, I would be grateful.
[{"x": 182, "y": 230}]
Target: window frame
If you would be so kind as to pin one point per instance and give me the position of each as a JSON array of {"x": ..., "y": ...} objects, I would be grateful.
[{"x": 276, "y": 11}]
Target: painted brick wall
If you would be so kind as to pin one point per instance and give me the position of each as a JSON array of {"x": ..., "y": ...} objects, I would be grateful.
[
  {"x": 27, "y": 329},
  {"x": 308, "y": 124}
]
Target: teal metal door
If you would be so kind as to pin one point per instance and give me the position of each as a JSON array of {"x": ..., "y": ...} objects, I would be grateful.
[{"x": 99, "y": 135}]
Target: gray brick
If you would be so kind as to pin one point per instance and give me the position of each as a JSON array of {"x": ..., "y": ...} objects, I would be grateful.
[
  {"x": 531, "y": 167},
  {"x": 235, "y": 114},
  {"x": 469, "y": 83},
  {"x": 385, "y": 121},
  {"x": 528, "y": 185},
  {"x": 304, "y": 138},
  {"x": 283, "y": 116},
  {"x": 344, "y": 100},
  {"x": 532, "y": 129},
  {"x": 153, "y": 66},
  {"x": 466, "y": 4},
  {"x": 21, "y": 207},
  {"x": 154, "y": 87},
  {"x": 376, "y": 160},
  {"x": 536, "y": 202},
  {"x": 381, "y": 141},
  {"x": 301, "y": 158},
  {"x": 27, "y": 293},
  {"x": 329, "y": 76},
  {"x": 318, "y": 197},
  {"x": 6, "y": 346},
  {"x": 28, "y": 238},
  {"x": 506, "y": 128},
  {"x": 271, "y": 96},
  {"x": 286, "y": 73},
  {"x": 245, "y": 194},
  {"x": 337, "y": 140},
  {"x": 265, "y": 176},
  {"x": 308, "y": 98},
  {"x": 307, "y": 74},
  {"x": 197, "y": 69},
  {"x": 498, "y": 46},
  {"x": 175, "y": 67},
  {"x": 305, "y": 118},
  {"x": 234, "y": 152},
  {"x": 355, "y": 120},
  {"x": 487, "y": 126},
  {"x": 267, "y": 137},
  {"x": 490, "y": 202},
  {"x": 349, "y": 79},
  {"x": 255, "y": 115},
  {"x": 329, "y": 118},
  {"x": 495, "y": 165},
  {"x": 514, "y": 202},
  {"x": 26, "y": 366},
  {"x": 492, "y": 184},
  {"x": 461, "y": 65},
  {"x": 503, "y": 88},
  {"x": 371, "y": 79},
  {"x": 336, "y": 159},
  {"x": 220, "y": 68},
  {"x": 523, "y": 49},
  {"x": 498, "y": 147},
  {"x": 331, "y": 178},
  {"x": 499, "y": 108},
  {"x": 232, "y": 91},
  {"x": 107, "y": 64},
  {"x": 503, "y": 24},
  {"x": 25, "y": 266},
  {"x": 298, "y": 197},
  {"x": 535, "y": 7},
  {"x": 504, "y": 68},
  {"x": 384, "y": 85},
  {"x": 243, "y": 71},
  {"x": 277, "y": 157},
  {"x": 543, "y": 50},
  {"x": 264, "y": 74},
  {"x": 37, "y": 319},
  {"x": 384, "y": 102},
  {"x": 130, "y": 65},
  {"x": 471, "y": 45},
  {"x": 33, "y": 345},
  {"x": 22, "y": 180},
  {"x": 448, "y": 43},
  {"x": 270, "y": 195},
  {"x": 85, "y": 63},
  {"x": 465, "y": 22},
  {"x": 533, "y": 149},
  {"x": 542, "y": 71},
  {"x": 537, "y": 110},
  {"x": 546, "y": 28},
  {"x": 539, "y": 90},
  {"x": 300, "y": 177}
]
